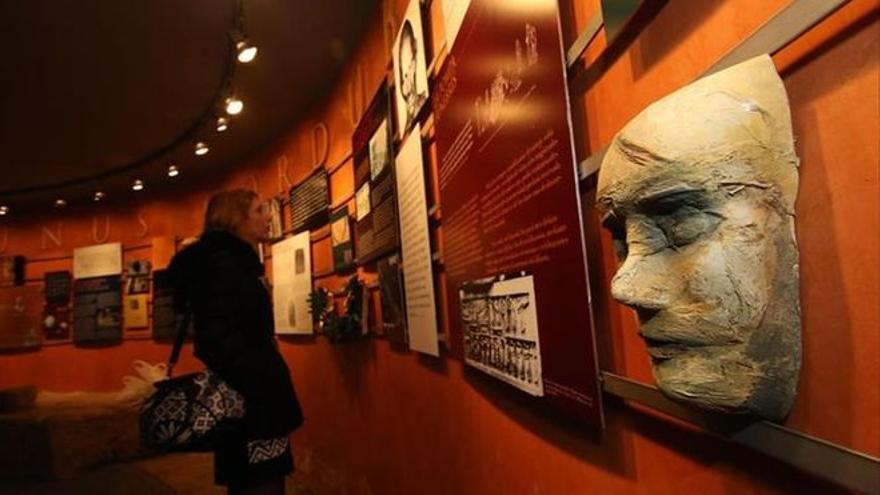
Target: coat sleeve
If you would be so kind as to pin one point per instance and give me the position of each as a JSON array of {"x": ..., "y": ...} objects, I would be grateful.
[{"x": 222, "y": 306}]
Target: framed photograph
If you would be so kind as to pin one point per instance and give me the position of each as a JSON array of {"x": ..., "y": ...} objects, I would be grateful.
[
  {"x": 410, "y": 69},
  {"x": 340, "y": 239},
  {"x": 362, "y": 201},
  {"x": 276, "y": 224},
  {"x": 500, "y": 324},
  {"x": 380, "y": 151}
]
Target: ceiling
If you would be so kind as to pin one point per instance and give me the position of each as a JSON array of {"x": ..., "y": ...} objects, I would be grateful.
[{"x": 96, "y": 93}]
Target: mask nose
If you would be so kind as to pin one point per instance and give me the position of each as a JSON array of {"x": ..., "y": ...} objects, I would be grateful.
[{"x": 641, "y": 284}]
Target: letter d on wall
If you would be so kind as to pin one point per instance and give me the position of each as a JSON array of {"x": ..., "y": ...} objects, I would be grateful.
[{"x": 319, "y": 152}]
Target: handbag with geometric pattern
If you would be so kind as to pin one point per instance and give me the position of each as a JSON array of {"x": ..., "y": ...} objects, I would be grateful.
[{"x": 189, "y": 412}]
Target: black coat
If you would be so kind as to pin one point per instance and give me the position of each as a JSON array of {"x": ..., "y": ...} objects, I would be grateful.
[{"x": 220, "y": 279}]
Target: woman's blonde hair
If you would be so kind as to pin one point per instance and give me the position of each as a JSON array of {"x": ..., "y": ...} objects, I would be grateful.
[{"x": 228, "y": 209}]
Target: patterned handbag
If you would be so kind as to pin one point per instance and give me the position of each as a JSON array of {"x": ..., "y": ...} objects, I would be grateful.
[{"x": 189, "y": 412}]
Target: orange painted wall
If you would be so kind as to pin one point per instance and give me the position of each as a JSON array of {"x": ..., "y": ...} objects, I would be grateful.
[{"x": 385, "y": 421}]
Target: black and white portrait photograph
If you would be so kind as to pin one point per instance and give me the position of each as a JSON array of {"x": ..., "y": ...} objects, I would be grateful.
[
  {"x": 362, "y": 202},
  {"x": 500, "y": 324},
  {"x": 410, "y": 69},
  {"x": 276, "y": 226},
  {"x": 380, "y": 156}
]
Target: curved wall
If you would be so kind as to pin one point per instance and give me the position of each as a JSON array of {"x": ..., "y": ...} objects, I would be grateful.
[{"x": 384, "y": 421}]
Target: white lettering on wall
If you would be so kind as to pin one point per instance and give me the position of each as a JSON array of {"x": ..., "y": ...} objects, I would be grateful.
[
  {"x": 47, "y": 235},
  {"x": 101, "y": 238}
]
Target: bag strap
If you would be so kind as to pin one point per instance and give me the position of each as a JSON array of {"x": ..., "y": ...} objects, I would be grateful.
[{"x": 182, "y": 326}]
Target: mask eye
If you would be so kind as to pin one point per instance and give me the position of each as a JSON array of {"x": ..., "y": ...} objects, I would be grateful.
[{"x": 688, "y": 224}]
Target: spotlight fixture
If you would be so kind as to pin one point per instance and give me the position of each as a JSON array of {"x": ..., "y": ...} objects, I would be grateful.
[
  {"x": 138, "y": 185},
  {"x": 234, "y": 106},
  {"x": 99, "y": 195},
  {"x": 60, "y": 202},
  {"x": 201, "y": 148},
  {"x": 173, "y": 171},
  {"x": 4, "y": 210},
  {"x": 222, "y": 124},
  {"x": 246, "y": 51}
]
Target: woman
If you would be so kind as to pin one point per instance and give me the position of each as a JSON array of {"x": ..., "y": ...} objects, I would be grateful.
[{"x": 220, "y": 279}]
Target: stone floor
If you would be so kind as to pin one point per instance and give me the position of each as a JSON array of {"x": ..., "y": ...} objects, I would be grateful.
[{"x": 184, "y": 474}]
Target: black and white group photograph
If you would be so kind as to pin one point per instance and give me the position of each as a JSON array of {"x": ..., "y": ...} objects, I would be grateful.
[{"x": 500, "y": 326}]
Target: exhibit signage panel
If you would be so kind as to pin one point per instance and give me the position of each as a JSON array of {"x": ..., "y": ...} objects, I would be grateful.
[
  {"x": 97, "y": 308},
  {"x": 415, "y": 246},
  {"x": 97, "y": 261},
  {"x": 164, "y": 315},
  {"x": 292, "y": 284},
  {"x": 20, "y": 315},
  {"x": 340, "y": 239},
  {"x": 56, "y": 312},
  {"x": 513, "y": 240},
  {"x": 376, "y": 230},
  {"x": 391, "y": 287},
  {"x": 310, "y": 202}
]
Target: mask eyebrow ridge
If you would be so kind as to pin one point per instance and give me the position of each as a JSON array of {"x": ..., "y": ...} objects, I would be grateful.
[{"x": 680, "y": 194}]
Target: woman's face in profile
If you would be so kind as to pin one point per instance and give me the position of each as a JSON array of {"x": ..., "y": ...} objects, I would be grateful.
[{"x": 255, "y": 227}]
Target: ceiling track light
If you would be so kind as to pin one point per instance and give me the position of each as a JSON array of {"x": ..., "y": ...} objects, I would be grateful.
[
  {"x": 60, "y": 202},
  {"x": 233, "y": 105},
  {"x": 246, "y": 51},
  {"x": 4, "y": 210},
  {"x": 222, "y": 124},
  {"x": 173, "y": 171},
  {"x": 99, "y": 195},
  {"x": 201, "y": 148},
  {"x": 137, "y": 185}
]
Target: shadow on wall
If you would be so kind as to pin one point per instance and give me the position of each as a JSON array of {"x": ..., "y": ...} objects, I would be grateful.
[
  {"x": 610, "y": 450},
  {"x": 613, "y": 451},
  {"x": 708, "y": 451},
  {"x": 354, "y": 359},
  {"x": 585, "y": 79},
  {"x": 669, "y": 29},
  {"x": 825, "y": 304}
]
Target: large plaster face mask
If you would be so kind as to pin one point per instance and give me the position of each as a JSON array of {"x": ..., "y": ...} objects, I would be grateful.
[{"x": 698, "y": 191}]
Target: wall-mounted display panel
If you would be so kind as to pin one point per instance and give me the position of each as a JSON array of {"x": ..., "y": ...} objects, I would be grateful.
[
  {"x": 20, "y": 317},
  {"x": 97, "y": 308},
  {"x": 97, "y": 261},
  {"x": 513, "y": 241},
  {"x": 164, "y": 316},
  {"x": 392, "y": 298},
  {"x": 415, "y": 247},
  {"x": 376, "y": 229},
  {"x": 340, "y": 239},
  {"x": 56, "y": 312},
  {"x": 410, "y": 69},
  {"x": 310, "y": 202},
  {"x": 292, "y": 284}
]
